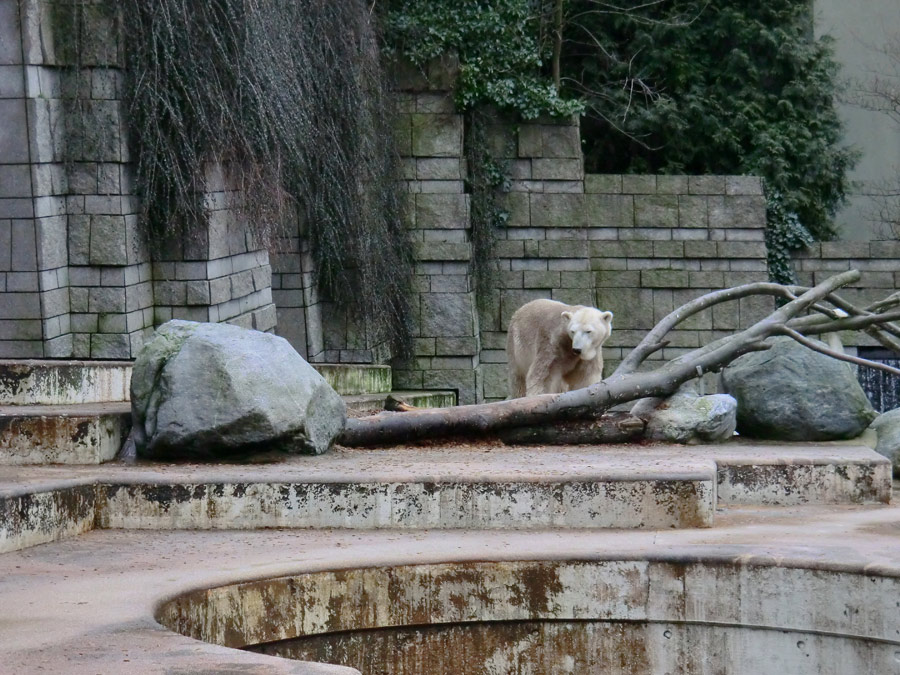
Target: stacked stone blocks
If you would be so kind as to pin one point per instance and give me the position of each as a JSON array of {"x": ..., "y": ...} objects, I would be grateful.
[
  {"x": 75, "y": 263},
  {"x": 217, "y": 272},
  {"x": 433, "y": 169},
  {"x": 636, "y": 245}
]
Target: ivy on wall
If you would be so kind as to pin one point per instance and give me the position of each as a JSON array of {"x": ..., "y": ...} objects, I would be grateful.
[
  {"x": 679, "y": 86},
  {"x": 501, "y": 70},
  {"x": 501, "y": 56}
]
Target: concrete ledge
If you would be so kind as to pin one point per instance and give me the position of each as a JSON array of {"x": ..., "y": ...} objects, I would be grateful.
[
  {"x": 793, "y": 474},
  {"x": 63, "y": 434},
  {"x": 376, "y": 489},
  {"x": 40, "y": 517},
  {"x": 628, "y": 503},
  {"x": 350, "y": 379},
  {"x": 419, "y": 399},
  {"x": 64, "y": 382},
  {"x": 480, "y": 487}
]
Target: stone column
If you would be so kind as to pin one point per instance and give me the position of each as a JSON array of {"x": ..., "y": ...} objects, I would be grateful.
[
  {"x": 21, "y": 318},
  {"x": 430, "y": 140}
]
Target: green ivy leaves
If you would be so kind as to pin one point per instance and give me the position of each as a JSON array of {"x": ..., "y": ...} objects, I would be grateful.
[{"x": 499, "y": 52}]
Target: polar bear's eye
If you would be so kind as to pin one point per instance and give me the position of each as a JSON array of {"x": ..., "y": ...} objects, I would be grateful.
[{"x": 588, "y": 330}]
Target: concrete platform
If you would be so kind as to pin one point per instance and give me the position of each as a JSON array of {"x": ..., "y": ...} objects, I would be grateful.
[
  {"x": 69, "y": 382},
  {"x": 46, "y": 382},
  {"x": 89, "y": 605},
  {"x": 481, "y": 487},
  {"x": 351, "y": 379},
  {"x": 86, "y": 433}
]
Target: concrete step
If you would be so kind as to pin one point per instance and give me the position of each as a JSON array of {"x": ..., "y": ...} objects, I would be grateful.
[
  {"x": 86, "y": 433},
  {"x": 352, "y": 379},
  {"x": 63, "y": 382},
  {"x": 419, "y": 399},
  {"x": 49, "y": 382},
  {"x": 790, "y": 474},
  {"x": 475, "y": 486},
  {"x": 403, "y": 489}
]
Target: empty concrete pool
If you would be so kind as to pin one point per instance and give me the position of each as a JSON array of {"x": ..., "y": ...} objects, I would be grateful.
[{"x": 622, "y": 617}]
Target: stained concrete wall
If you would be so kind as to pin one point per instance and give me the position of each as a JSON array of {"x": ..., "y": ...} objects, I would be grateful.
[
  {"x": 612, "y": 616},
  {"x": 859, "y": 40}
]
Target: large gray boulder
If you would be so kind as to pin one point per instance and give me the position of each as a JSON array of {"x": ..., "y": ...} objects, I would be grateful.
[
  {"x": 204, "y": 391},
  {"x": 792, "y": 393},
  {"x": 887, "y": 426}
]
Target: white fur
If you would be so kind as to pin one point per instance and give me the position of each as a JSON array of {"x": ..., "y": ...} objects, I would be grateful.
[{"x": 552, "y": 347}]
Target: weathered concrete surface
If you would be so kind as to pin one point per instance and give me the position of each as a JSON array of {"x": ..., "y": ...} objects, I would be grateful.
[
  {"x": 585, "y": 646},
  {"x": 797, "y": 473},
  {"x": 87, "y": 605},
  {"x": 46, "y": 513},
  {"x": 408, "y": 489},
  {"x": 476, "y": 487},
  {"x": 88, "y": 433},
  {"x": 63, "y": 382},
  {"x": 679, "y": 501}
]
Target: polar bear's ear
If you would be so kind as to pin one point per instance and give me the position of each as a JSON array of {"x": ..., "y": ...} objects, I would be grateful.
[
  {"x": 607, "y": 317},
  {"x": 567, "y": 316}
]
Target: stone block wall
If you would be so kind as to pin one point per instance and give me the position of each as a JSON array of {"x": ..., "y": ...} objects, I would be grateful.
[
  {"x": 319, "y": 329},
  {"x": 298, "y": 309},
  {"x": 446, "y": 336},
  {"x": 78, "y": 277},
  {"x": 638, "y": 246},
  {"x": 34, "y": 312},
  {"x": 217, "y": 273}
]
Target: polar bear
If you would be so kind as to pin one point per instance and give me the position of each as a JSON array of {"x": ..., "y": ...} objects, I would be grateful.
[{"x": 552, "y": 347}]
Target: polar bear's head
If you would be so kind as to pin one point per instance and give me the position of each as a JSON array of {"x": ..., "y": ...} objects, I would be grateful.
[{"x": 588, "y": 328}]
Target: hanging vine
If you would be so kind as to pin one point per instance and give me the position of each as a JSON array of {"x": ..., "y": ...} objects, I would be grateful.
[
  {"x": 289, "y": 98},
  {"x": 487, "y": 179}
]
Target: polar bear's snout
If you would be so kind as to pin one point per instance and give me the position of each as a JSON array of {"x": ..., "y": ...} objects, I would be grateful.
[{"x": 582, "y": 344}]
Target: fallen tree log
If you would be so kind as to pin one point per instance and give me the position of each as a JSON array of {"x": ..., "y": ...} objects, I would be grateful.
[
  {"x": 626, "y": 384},
  {"x": 610, "y": 428}
]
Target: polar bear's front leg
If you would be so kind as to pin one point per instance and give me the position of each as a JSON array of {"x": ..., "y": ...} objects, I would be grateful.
[
  {"x": 516, "y": 383},
  {"x": 541, "y": 380}
]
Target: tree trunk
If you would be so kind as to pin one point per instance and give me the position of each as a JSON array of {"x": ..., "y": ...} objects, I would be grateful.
[{"x": 610, "y": 428}]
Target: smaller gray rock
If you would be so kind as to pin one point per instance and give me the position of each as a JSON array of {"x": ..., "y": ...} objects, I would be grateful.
[
  {"x": 887, "y": 426},
  {"x": 689, "y": 418}
]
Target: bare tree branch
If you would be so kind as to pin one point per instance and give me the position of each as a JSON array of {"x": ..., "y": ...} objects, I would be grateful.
[
  {"x": 653, "y": 341},
  {"x": 840, "y": 356},
  {"x": 623, "y": 386}
]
